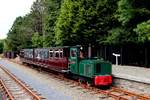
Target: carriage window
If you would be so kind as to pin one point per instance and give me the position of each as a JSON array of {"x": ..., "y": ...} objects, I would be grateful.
[
  {"x": 29, "y": 53},
  {"x": 36, "y": 54},
  {"x": 61, "y": 54},
  {"x": 41, "y": 54},
  {"x": 98, "y": 68},
  {"x": 57, "y": 54},
  {"x": 45, "y": 54},
  {"x": 50, "y": 53}
]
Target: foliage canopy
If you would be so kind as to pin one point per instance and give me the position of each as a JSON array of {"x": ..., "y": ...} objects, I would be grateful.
[{"x": 73, "y": 22}]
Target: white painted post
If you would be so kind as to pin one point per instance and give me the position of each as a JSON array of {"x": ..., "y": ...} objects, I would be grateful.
[{"x": 116, "y": 55}]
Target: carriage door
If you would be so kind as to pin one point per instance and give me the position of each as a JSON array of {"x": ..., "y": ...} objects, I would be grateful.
[{"x": 73, "y": 60}]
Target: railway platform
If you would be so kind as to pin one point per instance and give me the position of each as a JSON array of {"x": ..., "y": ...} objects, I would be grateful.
[{"x": 138, "y": 74}]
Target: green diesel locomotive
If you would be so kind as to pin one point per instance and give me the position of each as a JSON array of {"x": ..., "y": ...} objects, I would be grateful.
[{"x": 91, "y": 70}]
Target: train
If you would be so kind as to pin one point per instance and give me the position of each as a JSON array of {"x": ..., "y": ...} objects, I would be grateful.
[
  {"x": 74, "y": 61},
  {"x": 10, "y": 54}
]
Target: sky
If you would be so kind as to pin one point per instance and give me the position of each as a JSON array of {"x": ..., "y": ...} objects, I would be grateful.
[{"x": 9, "y": 10}]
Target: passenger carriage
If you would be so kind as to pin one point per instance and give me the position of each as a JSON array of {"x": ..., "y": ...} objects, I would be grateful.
[{"x": 55, "y": 58}]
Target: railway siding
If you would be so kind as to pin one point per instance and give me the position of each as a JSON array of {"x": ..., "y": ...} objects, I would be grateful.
[{"x": 14, "y": 89}]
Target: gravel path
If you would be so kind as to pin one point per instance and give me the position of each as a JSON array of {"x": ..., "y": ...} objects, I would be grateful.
[{"x": 50, "y": 88}]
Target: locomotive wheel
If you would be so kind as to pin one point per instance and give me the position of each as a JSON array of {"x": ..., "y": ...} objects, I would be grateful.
[
  {"x": 88, "y": 84},
  {"x": 80, "y": 81}
]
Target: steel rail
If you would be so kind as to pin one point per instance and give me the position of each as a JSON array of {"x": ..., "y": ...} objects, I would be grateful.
[
  {"x": 138, "y": 96},
  {"x": 9, "y": 95},
  {"x": 34, "y": 95}
]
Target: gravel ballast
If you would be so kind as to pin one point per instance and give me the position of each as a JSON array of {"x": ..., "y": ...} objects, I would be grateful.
[{"x": 49, "y": 87}]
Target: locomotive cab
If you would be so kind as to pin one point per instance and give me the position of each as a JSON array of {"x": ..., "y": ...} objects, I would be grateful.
[{"x": 94, "y": 71}]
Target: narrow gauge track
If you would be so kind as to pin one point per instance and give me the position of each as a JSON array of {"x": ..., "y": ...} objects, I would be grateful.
[
  {"x": 14, "y": 89},
  {"x": 114, "y": 93}
]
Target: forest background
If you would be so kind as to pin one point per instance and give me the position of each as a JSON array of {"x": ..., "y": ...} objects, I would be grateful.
[
  {"x": 80, "y": 22},
  {"x": 73, "y": 22}
]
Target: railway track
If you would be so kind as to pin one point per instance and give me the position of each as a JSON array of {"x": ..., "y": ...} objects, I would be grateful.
[
  {"x": 114, "y": 93},
  {"x": 13, "y": 89}
]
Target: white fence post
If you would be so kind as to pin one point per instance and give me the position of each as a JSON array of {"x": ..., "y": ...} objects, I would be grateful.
[{"x": 116, "y": 55}]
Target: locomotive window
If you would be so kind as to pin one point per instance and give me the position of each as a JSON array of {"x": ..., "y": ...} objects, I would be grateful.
[
  {"x": 73, "y": 53},
  {"x": 98, "y": 68}
]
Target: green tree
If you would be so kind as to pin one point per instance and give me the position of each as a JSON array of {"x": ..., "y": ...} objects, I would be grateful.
[
  {"x": 36, "y": 15},
  {"x": 73, "y": 22},
  {"x": 125, "y": 12},
  {"x": 117, "y": 36},
  {"x": 37, "y": 40},
  {"x": 23, "y": 28},
  {"x": 7, "y": 45},
  {"x": 1, "y": 46},
  {"x": 83, "y": 21},
  {"x": 50, "y": 14},
  {"x": 20, "y": 34},
  {"x": 129, "y": 14},
  {"x": 143, "y": 31}
]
